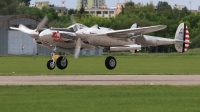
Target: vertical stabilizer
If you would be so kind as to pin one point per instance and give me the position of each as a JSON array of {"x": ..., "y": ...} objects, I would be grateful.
[{"x": 182, "y": 34}]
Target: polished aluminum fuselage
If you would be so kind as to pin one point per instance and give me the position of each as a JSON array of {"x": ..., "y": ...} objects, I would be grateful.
[{"x": 66, "y": 43}]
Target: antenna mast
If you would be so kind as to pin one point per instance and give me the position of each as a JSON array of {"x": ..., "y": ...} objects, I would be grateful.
[{"x": 190, "y": 4}]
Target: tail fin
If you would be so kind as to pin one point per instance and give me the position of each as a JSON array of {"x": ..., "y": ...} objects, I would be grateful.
[{"x": 182, "y": 34}]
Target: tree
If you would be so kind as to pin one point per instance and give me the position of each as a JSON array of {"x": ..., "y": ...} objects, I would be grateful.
[
  {"x": 82, "y": 9},
  {"x": 9, "y": 7},
  {"x": 130, "y": 4},
  {"x": 27, "y": 2},
  {"x": 71, "y": 11},
  {"x": 163, "y": 6},
  {"x": 52, "y": 15},
  {"x": 122, "y": 8}
]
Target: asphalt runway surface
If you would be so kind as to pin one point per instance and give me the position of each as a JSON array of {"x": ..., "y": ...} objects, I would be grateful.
[{"x": 102, "y": 80}]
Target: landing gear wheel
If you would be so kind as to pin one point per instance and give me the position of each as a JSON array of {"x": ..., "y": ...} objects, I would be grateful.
[
  {"x": 110, "y": 62},
  {"x": 50, "y": 65},
  {"x": 62, "y": 63}
]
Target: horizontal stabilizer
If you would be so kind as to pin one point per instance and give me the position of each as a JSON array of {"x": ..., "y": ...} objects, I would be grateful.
[{"x": 24, "y": 29}]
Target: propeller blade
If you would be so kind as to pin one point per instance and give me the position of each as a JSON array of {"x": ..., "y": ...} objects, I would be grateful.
[
  {"x": 42, "y": 23},
  {"x": 73, "y": 19},
  {"x": 77, "y": 48},
  {"x": 34, "y": 48}
]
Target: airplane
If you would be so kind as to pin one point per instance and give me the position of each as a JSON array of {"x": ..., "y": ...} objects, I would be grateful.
[
  {"x": 79, "y": 37},
  {"x": 131, "y": 39},
  {"x": 57, "y": 39}
]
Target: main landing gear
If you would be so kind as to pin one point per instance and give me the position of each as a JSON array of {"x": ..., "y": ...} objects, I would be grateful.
[
  {"x": 61, "y": 62},
  {"x": 110, "y": 62}
]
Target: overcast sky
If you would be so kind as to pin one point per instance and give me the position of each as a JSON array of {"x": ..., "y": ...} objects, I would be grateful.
[{"x": 111, "y": 3}]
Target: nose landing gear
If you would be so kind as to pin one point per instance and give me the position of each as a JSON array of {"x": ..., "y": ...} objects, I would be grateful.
[
  {"x": 61, "y": 61},
  {"x": 50, "y": 64}
]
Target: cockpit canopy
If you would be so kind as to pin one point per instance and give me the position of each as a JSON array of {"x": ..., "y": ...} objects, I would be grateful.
[
  {"x": 76, "y": 27},
  {"x": 73, "y": 28}
]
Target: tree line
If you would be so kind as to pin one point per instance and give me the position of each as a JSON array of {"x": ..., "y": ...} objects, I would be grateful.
[{"x": 144, "y": 15}]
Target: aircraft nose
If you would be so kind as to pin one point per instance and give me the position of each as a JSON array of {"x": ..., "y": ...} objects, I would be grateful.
[
  {"x": 43, "y": 34},
  {"x": 80, "y": 34}
]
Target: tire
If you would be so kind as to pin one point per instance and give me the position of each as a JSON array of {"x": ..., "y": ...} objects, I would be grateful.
[
  {"x": 50, "y": 65},
  {"x": 61, "y": 64},
  {"x": 110, "y": 63}
]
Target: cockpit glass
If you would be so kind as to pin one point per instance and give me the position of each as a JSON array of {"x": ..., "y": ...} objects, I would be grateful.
[{"x": 76, "y": 27}]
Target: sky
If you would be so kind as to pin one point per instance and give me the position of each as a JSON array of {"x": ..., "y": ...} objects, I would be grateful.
[{"x": 112, "y": 3}]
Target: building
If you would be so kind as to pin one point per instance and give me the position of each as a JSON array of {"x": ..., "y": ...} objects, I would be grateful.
[
  {"x": 62, "y": 10},
  {"x": 15, "y": 42},
  {"x": 106, "y": 13},
  {"x": 119, "y": 7},
  {"x": 180, "y": 7},
  {"x": 87, "y": 4},
  {"x": 82, "y": 2},
  {"x": 42, "y": 4}
]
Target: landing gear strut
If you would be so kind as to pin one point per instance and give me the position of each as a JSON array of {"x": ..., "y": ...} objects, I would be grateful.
[
  {"x": 110, "y": 61},
  {"x": 51, "y": 63}
]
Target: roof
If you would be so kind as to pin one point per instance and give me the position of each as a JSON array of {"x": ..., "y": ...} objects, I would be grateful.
[
  {"x": 64, "y": 8},
  {"x": 2, "y": 17},
  {"x": 93, "y": 9},
  {"x": 6, "y": 18}
]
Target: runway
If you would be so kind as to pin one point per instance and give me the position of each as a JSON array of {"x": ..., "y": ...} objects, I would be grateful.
[{"x": 102, "y": 80}]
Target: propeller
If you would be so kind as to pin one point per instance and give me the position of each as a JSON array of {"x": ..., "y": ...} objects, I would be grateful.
[
  {"x": 78, "y": 42},
  {"x": 73, "y": 19},
  {"x": 77, "y": 48},
  {"x": 79, "y": 33},
  {"x": 34, "y": 48},
  {"x": 42, "y": 23}
]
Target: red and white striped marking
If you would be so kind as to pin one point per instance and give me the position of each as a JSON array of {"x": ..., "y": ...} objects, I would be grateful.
[{"x": 187, "y": 39}]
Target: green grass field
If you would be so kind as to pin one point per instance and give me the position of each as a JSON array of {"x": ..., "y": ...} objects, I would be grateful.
[
  {"x": 127, "y": 63},
  {"x": 99, "y": 98}
]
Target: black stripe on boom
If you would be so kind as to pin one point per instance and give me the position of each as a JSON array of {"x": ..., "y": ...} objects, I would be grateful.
[{"x": 184, "y": 33}]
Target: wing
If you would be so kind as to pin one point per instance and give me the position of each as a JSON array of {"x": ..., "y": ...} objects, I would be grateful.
[{"x": 134, "y": 32}]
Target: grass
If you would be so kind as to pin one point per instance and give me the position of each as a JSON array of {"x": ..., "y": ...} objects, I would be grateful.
[
  {"x": 100, "y": 98},
  {"x": 140, "y": 63}
]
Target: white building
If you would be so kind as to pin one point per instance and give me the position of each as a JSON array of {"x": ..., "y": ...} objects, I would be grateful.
[{"x": 180, "y": 7}]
